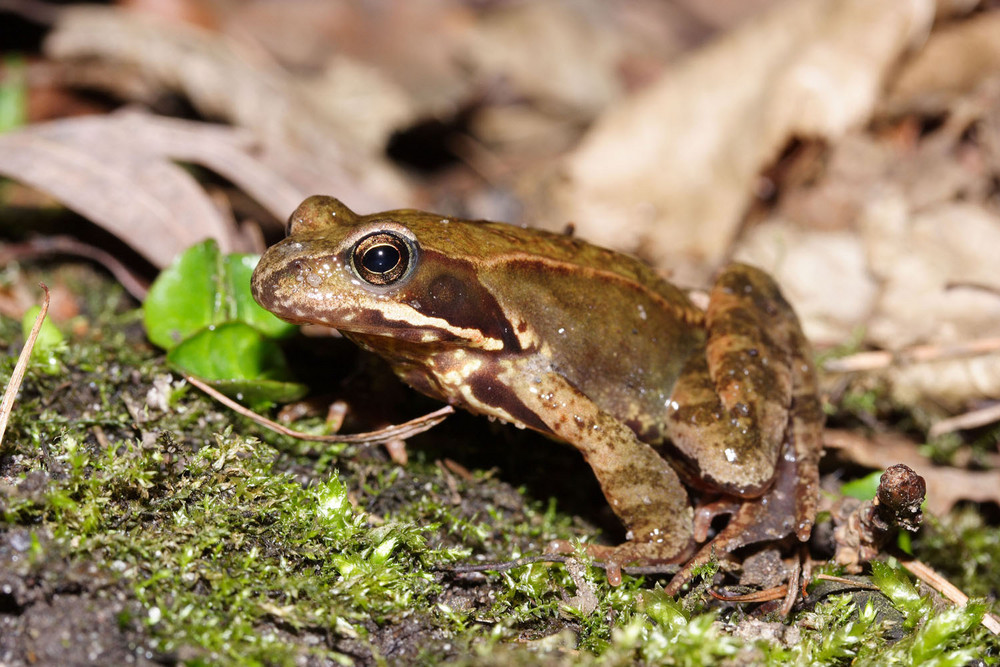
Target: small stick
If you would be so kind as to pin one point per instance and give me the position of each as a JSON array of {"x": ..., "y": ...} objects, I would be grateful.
[
  {"x": 935, "y": 580},
  {"x": 59, "y": 244},
  {"x": 973, "y": 419},
  {"x": 767, "y": 595},
  {"x": 394, "y": 432},
  {"x": 868, "y": 361},
  {"x": 848, "y": 582},
  {"x": 7, "y": 404}
]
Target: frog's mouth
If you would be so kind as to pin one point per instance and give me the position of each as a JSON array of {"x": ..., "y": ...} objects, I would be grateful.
[{"x": 404, "y": 323}]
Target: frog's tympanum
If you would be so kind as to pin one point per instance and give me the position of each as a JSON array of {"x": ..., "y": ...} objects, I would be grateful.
[{"x": 587, "y": 346}]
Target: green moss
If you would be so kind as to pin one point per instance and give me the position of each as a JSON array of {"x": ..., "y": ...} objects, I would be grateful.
[
  {"x": 964, "y": 548},
  {"x": 237, "y": 551}
]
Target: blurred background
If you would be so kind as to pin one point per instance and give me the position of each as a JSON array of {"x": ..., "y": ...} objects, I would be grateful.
[{"x": 849, "y": 147}]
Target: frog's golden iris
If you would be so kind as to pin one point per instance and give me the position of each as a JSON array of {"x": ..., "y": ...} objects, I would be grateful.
[{"x": 381, "y": 258}]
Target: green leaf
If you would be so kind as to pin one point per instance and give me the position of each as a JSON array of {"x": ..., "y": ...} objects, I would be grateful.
[
  {"x": 664, "y": 610},
  {"x": 201, "y": 311},
  {"x": 186, "y": 297},
  {"x": 49, "y": 336},
  {"x": 863, "y": 488},
  {"x": 48, "y": 344},
  {"x": 239, "y": 361},
  {"x": 201, "y": 288},
  {"x": 897, "y": 587},
  {"x": 239, "y": 268},
  {"x": 13, "y": 94}
]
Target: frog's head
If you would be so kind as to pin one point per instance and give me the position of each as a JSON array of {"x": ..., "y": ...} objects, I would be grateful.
[{"x": 402, "y": 274}]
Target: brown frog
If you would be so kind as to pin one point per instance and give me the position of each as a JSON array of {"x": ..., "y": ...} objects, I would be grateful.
[{"x": 585, "y": 345}]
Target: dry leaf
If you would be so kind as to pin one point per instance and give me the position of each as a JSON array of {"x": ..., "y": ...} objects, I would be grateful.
[
  {"x": 413, "y": 45},
  {"x": 114, "y": 173},
  {"x": 945, "y": 486},
  {"x": 671, "y": 171},
  {"x": 118, "y": 172},
  {"x": 917, "y": 257},
  {"x": 955, "y": 60},
  {"x": 577, "y": 69},
  {"x": 223, "y": 81},
  {"x": 824, "y": 275},
  {"x": 924, "y": 233}
]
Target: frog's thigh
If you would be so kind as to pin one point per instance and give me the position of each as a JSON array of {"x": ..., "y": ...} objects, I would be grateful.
[
  {"x": 807, "y": 438},
  {"x": 732, "y": 408},
  {"x": 792, "y": 377},
  {"x": 641, "y": 487}
]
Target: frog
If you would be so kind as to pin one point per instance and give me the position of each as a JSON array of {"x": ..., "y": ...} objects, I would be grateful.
[{"x": 672, "y": 406}]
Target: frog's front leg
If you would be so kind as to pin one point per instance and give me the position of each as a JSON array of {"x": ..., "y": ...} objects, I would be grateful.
[{"x": 641, "y": 487}]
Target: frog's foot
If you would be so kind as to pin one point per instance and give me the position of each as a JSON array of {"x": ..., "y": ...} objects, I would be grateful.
[
  {"x": 766, "y": 519},
  {"x": 705, "y": 514},
  {"x": 788, "y": 592},
  {"x": 730, "y": 539},
  {"x": 641, "y": 554},
  {"x": 770, "y": 518}
]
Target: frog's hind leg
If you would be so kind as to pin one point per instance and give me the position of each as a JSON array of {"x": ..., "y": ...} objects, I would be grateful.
[
  {"x": 752, "y": 404},
  {"x": 729, "y": 410},
  {"x": 764, "y": 519}
]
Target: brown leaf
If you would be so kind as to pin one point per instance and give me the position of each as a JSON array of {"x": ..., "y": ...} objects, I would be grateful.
[
  {"x": 686, "y": 153},
  {"x": 96, "y": 167},
  {"x": 955, "y": 60},
  {"x": 224, "y": 81},
  {"x": 117, "y": 172}
]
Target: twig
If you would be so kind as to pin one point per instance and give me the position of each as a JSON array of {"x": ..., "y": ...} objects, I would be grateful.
[
  {"x": 43, "y": 13},
  {"x": 394, "y": 432},
  {"x": 848, "y": 582},
  {"x": 938, "y": 582},
  {"x": 501, "y": 566},
  {"x": 7, "y": 404},
  {"x": 973, "y": 419},
  {"x": 53, "y": 245},
  {"x": 767, "y": 595},
  {"x": 867, "y": 361}
]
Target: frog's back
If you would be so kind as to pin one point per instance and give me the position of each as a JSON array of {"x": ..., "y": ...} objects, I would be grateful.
[{"x": 504, "y": 245}]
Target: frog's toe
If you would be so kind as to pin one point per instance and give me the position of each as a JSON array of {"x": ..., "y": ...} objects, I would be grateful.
[{"x": 645, "y": 555}]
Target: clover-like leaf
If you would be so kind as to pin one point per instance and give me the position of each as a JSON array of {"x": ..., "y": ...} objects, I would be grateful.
[
  {"x": 239, "y": 268},
  {"x": 203, "y": 288},
  {"x": 239, "y": 361}
]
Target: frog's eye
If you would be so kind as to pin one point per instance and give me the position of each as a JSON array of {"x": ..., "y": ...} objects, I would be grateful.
[{"x": 381, "y": 258}]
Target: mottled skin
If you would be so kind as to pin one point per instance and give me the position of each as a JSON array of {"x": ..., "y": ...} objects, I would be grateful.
[{"x": 588, "y": 346}]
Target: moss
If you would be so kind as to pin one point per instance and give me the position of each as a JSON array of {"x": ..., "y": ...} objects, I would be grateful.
[
  {"x": 229, "y": 549},
  {"x": 964, "y": 548}
]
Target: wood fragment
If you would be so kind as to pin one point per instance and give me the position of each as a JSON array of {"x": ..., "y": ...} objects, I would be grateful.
[
  {"x": 938, "y": 582},
  {"x": 869, "y": 361},
  {"x": 10, "y": 393},
  {"x": 973, "y": 419},
  {"x": 381, "y": 436}
]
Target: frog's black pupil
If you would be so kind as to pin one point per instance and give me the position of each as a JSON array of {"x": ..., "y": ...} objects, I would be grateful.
[{"x": 381, "y": 258}]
